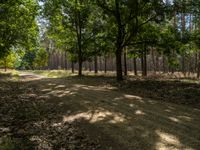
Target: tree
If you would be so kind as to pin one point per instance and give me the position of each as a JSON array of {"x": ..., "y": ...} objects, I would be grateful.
[
  {"x": 127, "y": 17},
  {"x": 28, "y": 59},
  {"x": 41, "y": 58},
  {"x": 196, "y": 39},
  {"x": 74, "y": 16},
  {"x": 170, "y": 44},
  {"x": 146, "y": 40},
  {"x": 18, "y": 25},
  {"x": 9, "y": 61}
]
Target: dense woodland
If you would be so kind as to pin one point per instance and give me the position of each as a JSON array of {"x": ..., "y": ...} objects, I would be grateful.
[{"x": 115, "y": 35}]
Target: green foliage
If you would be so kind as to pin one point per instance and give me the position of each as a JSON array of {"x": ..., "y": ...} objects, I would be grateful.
[
  {"x": 130, "y": 16},
  {"x": 18, "y": 25},
  {"x": 168, "y": 40},
  {"x": 9, "y": 60},
  {"x": 28, "y": 59},
  {"x": 85, "y": 29},
  {"x": 40, "y": 59},
  {"x": 196, "y": 38},
  {"x": 148, "y": 37},
  {"x": 34, "y": 58}
]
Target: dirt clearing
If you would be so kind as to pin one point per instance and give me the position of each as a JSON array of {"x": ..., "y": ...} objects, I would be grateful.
[{"x": 97, "y": 113}]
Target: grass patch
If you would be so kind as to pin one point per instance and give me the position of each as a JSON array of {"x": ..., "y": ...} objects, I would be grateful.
[
  {"x": 67, "y": 73},
  {"x": 52, "y": 73},
  {"x": 9, "y": 75}
]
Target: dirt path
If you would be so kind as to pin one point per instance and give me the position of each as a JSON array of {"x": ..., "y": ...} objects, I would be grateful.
[
  {"x": 120, "y": 120},
  {"x": 30, "y": 76},
  {"x": 123, "y": 120}
]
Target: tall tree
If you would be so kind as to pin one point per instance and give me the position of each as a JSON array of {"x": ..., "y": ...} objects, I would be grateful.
[
  {"x": 127, "y": 17},
  {"x": 73, "y": 16},
  {"x": 18, "y": 25}
]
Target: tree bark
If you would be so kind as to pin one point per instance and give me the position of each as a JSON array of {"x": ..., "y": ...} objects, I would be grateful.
[
  {"x": 57, "y": 60},
  {"x": 65, "y": 59},
  {"x": 80, "y": 63},
  {"x": 105, "y": 64},
  {"x": 142, "y": 63},
  {"x": 153, "y": 60},
  {"x": 157, "y": 63},
  {"x": 95, "y": 64},
  {"x": 196, "y": 61},
  {"x": 198, "y": 68},
  {"x": 72, "y": 67},
  {"x": 119, "y": 64},
  {"x": 90, "y": 67},
  {"x": 145, "y": 61},
  {"x": 183, "y": 65},
  {"x": 119, "y": 42},
  {"x": 183, "y": 23},
  {"x": 79, "y": 39},
  {"x": 163, "y": 63},
  {"x": 49, "y": 57},
  {"x": 125, "y": 62},
  {"x": 99, "y": 64},
  {"x": 135, "y": 66}
]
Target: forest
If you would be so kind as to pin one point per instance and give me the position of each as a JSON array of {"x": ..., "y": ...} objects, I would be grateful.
[{"x": 99, "y": 74}]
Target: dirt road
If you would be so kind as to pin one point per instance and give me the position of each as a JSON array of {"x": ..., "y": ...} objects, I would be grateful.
[{"x": 119, "y": 119}]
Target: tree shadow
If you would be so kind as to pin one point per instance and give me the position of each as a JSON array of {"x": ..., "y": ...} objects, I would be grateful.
[{"x": 118, "y": 117}]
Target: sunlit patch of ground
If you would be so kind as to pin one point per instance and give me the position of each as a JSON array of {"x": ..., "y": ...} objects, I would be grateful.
[
  {"x": 9, "y": 75},
  {"x": 121, "y": 118}
]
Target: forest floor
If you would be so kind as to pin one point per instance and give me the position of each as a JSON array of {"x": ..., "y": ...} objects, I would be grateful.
[{"x": 96, "y": 112}]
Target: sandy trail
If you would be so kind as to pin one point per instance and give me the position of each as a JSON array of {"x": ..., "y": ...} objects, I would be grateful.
[{"x": 124, "y": 121}]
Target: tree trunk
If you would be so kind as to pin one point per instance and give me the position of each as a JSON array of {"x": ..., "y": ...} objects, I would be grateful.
[
  {"x": 135, "y": 66},
  {"x": 198, "y": 68},
  {"x": 119, "y": 64},
  {"x": 49, "y": 58},
  {"x": 72, "y": 67},
  {"x": 105, "y": 64},
  {"x": 5, "y": 65},
  {"x": 153, "y": 60},
  {"x": 196, "y": 62},
  {"x": 183, "y": 65},
  {"x": 79, "y": 39},
  {"x": 112, "y": 64},
  {"x": 175, "y": 26},
  {"x": 119, "y": 42},
  {"x": 57, "y": 60},
  {"x": 183, "y": 23},
  {"x": 80, "y": 63},
  {"x": 54, "y": 61},
  {"x": 95, "y": 64},
  {"x": 90, "y": 67},
  {"x": 145, "y": 61},
  {"x": 163, "y": 63},
  {"x": 65, "y": 59},
  {"x": 142, "y": 64},
  {"x": 125, "y": 62},
  {"x": 99, "y": 64}
]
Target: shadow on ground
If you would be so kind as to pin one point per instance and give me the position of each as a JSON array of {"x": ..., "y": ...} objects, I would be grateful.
[{"x": 97, "y": 113}]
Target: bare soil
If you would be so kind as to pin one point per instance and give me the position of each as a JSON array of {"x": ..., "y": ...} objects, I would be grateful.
[{"x": 98, "y": 113}]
